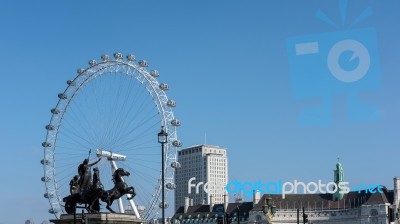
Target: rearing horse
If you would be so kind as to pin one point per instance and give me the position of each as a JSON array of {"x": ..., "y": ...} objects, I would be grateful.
[{"x": 120, "y": 189}]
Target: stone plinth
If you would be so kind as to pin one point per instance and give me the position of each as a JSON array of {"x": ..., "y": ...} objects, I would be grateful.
[{"x": 98, "y": 218}]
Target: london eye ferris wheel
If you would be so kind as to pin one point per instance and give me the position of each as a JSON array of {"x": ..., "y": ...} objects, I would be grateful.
[{"x": 113, "y": 110}]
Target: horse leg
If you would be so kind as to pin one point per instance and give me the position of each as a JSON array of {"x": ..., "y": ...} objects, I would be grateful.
[
  {"x": 96, "y": 206},
  {"x": 92, "y": 210},
  {"x": 131, "y": 191},
  {"x": 109, "y": 203},
  {"x": 109, "y": 209},
  {"x": 88, "y": 208}
]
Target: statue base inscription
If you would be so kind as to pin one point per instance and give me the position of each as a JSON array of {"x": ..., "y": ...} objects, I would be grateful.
[{"x": 98, "y": 218}]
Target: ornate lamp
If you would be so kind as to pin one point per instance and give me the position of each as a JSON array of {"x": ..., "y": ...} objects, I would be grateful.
[
  {"x": 162, "y": 139},
  {"x": 162, "y": 136}
]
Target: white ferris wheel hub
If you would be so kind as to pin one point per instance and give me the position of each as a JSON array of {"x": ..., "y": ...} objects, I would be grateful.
[{"x": 110, "y": 155}]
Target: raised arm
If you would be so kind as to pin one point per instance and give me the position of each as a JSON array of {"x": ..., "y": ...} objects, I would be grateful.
[{"x": 95, "y": 162}]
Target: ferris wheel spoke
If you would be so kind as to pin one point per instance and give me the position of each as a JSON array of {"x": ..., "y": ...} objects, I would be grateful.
[
  {"x": 132, "y": 150},
  {"x": 121, "y": 111},
  {"x": 143, "y": 194},
  {"x": 127, "y": 133},
  {"x": 144, "y": 184},
  {"x": 144, "y": 173},
  {"x": 76, "y": 135},
  {"x": 79, "y": 141},
  {"x": 66, "y": 160},
  {"x": 147, "y": 167},
  {"x": 62, "y": 181},
  {"x": 142, "y": 134},
  {"x": 81, "y": 123},
  {"x": 123, "y": 124},
  {"x": 148, "y": 161},
  {"x": 139, "y": 146},
  {"x": 72, "y": 147}
]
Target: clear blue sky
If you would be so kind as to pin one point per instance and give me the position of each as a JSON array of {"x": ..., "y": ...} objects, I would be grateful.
[{"x": 227, "y": 65}]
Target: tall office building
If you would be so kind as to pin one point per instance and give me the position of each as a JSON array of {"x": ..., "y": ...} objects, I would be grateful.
[{"x": 201, "y": 163}]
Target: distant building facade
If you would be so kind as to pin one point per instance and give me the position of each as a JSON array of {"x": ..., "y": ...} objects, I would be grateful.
[
  {"x": 354, "y": 207},
  {"x": 206, "y": 164},
  {"x": 213, "y": 213}
]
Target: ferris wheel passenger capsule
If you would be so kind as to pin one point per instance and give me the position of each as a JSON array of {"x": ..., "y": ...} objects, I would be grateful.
[
  {"x": 46, "y": 144},
  {"x": 177, "y": 143},
  {"x": 117, "y": 55},
  {"x": 175, "y": 164},
  {"x": 48, "y": 195},
  {"x": 71, "y": 82},
  {"x": 44, "y": 162},
  {"x": 131, "y": 57},
  {"x": 164, "y": 86},
  {"x": 105, "y": 57},
  {"x": 92, "y": 62},
  {"x": 62, "y": 96},
  {"x": 52, "y": 211},
  {"x": 165, "y": 205},
  {"x": 54, "y": 111},
  {"x": 171, "y": 186},
  {"x": 143, "y": 63},
  {"x": 176, "y": 122},
  {"x": 80, "y": 71},
  {"x": 154, "y": 73},
  {"x": 45, "y": 179},
  {"x": 49, "y": 127},
  {"x": 171, "y": 103}
]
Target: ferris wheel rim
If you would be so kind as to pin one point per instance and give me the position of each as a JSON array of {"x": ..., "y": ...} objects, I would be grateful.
[{"x": 159, "y": 98}]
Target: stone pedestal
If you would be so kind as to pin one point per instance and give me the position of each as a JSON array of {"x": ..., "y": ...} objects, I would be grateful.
[{"x": 98, "y": 218}]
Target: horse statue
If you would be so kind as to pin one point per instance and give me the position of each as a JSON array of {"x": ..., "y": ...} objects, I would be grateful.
[{"x": 120, "y": 188}]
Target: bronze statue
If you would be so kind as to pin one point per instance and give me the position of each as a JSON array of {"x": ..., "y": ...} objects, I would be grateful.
[
  {"x": 74, "y": 185},
  {"x": 88, "y": 191},
  {"x": 94, "y": 193},
  {"x": 85, "y": 174}
]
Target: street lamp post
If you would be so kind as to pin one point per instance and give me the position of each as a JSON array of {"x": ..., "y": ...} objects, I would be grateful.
[
  {"x": 162, "y": 139},
  {"x": 238, "y": 214},
  {"x": 268, "y": 209}
]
